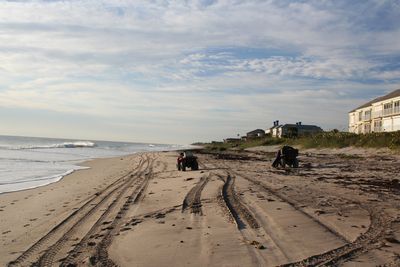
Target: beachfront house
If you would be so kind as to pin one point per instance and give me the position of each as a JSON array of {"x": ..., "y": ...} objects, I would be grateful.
[
  {"x": 294, "y": 130},
  {"x": 274, "y": 130},
  {"x": 255, "y": 133},
  {"x": 381, "y": 114}
]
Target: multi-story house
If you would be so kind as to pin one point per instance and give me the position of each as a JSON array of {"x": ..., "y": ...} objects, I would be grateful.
[{"x": 379, "y": 115}]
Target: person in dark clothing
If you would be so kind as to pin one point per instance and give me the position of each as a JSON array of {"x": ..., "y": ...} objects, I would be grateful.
[
  {"x": 179, "y": 161},
  {"x": 287, "y": 155}
]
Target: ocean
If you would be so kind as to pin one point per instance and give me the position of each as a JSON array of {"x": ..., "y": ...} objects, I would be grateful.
[{"x": 28, "y": 162}]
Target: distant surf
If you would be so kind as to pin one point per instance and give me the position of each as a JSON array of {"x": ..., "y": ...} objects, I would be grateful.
[
  {"x": 61, "y": 145},
  {"x": 28, "y": 162}
]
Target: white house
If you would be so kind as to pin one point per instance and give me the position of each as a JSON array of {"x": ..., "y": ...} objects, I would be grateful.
[
  {"x": 379, "y": 115},
  {"x": 274, "y": 130}
]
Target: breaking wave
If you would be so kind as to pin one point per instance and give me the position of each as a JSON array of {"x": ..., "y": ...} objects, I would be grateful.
[{"x": 76, "y": 144}]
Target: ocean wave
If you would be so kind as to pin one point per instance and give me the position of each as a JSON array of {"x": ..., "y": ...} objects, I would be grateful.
[
  {"x": 12, "y": 186},
  {"x": 37, "y": 179},
  {"x": 76, "y": 144}
]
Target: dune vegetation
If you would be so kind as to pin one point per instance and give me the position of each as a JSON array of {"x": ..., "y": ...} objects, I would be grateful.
[{"x": 333, "y": 139}]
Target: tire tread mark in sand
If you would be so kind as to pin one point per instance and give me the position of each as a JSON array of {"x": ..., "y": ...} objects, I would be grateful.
[
  {"x": 370, "y": 239},
  {"x": 101, "y": 253},
  {"x": 100, "y": 250},
  {"x": 293, "y": 204},
  {"x": 235, "y": 205},
  {"x": 48, "y": 257},
  {"x": 193, "y": 198},
  {"x": 37, "y": 247},
  {"x": 351, "y": 249}
]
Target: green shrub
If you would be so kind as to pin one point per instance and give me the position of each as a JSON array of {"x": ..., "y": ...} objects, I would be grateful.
[{"x": 343, "y": 139}]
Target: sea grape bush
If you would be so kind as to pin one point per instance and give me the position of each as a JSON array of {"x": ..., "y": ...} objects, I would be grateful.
[
  {"x": 344, "y": 139},
  {"x": 333, "y": 139}
]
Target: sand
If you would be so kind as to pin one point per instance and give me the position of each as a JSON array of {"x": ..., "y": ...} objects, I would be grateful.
[{"x": 340, "y": 208}]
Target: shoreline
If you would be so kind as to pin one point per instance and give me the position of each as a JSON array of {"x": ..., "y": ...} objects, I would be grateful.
[
  {"x": 30, "y": 162},
  {"x": 59, "y": 177},
  {"x": 80, "y": 165}
]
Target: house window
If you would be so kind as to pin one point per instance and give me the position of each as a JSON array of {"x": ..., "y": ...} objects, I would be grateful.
[
  {"x": 387, "y": 109},
  {"x": 360, "y": 116},
  {"x": 367, "y": 115},
  {"x": 367, "y": 128},
  {"x": 377, "y": 126},
  {"x": 396, "y": 108}
]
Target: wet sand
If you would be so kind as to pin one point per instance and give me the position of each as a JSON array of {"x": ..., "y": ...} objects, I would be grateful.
[{"x": 340, "y": 208}]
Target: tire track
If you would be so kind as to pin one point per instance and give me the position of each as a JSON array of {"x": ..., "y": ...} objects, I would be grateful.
[
  {"x": 193, "y": 198},
  {"x": 236, "y": 207},
  {"x": 283, "y": 198},
  {"x": 376, "y": 232},
  {"x": 98, "y": 251},
  {"x": 33, "y": 253},
  {"x": 365, "y": 242}
]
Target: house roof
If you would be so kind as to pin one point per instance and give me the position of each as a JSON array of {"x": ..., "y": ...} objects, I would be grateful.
[
  {"x": 303, "y": 126},
  {"x": 256, "y": 131},
  {"x": 395, "y": 93}
]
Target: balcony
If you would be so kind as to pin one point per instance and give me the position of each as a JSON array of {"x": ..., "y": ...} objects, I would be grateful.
[
  {"x": 366, "y": 117},
  {"x": 376, "y": 114},
  {"x": 386, "y": 112}
]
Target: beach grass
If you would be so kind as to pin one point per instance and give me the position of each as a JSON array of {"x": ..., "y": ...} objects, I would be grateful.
[{"x": 333, "y": 139}]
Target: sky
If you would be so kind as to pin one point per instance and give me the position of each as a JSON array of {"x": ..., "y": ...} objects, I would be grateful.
[{"x": 184, "y": 71}]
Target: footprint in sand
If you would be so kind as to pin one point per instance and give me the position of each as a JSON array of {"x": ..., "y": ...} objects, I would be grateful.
[
  {"x": 26, "y": 225},
  {"x": 32, "y": 220},
  {"x": 6, "y": 232}
]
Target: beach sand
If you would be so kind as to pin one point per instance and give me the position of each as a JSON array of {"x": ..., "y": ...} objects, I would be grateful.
[{"x": 341, "y": 207}]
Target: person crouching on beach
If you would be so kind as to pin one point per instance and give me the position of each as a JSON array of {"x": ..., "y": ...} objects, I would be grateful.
[
  {"x": 286, "y": 156},
  {"x": 179, "y": 161}
]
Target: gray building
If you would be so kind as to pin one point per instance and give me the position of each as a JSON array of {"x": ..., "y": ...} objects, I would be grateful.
[
  {"x": 295, "y": 130},
  {"x": 255, "y": 133}
]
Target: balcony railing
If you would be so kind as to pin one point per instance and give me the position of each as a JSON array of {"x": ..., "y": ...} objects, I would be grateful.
[
  {"x": 367, "y": 117},
  {"x": 386, "y": 112},
  {"x": 378, "y": 114}
]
